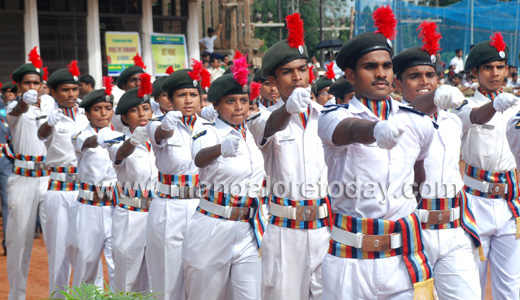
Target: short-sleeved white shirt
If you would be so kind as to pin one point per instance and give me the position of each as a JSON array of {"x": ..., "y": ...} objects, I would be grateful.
[
  {"x": 209, "y": 43},
  {"x": 24, "y": 130}
]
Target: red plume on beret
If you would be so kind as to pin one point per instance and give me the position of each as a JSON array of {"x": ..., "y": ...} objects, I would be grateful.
[
  {"x": 34, "y": 57},
  {"x": 254, "y": 90},
  {"x": 45, "y": 74},
  {"x": 73, "y": 69},
  {"x": 107, "y": 83},
  {"x": 240, "y": 71},
  {"x": 196, "y": 67},
  {"x": 312, "y": 77},
  {"x": 146, "y": 85},
  {"x": 206, "y": 79},
  {"x": 384, "y": 20},
  {"x": 138, "y": 61},
  {"x": 169, "y": 70},
  {"x": 497, "y": 41},
  {"x": 1, "y": 84},
  {"x": 430, "y": 37},
  {"x": 330, "y": 71},
  {"x": 295, "y": 38},
  {"x": 237, "y": 55}
]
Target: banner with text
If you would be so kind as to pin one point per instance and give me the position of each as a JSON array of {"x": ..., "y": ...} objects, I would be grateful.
[
  {"x": 168, "y": 50},
  {"x": 121, "y": 48}
]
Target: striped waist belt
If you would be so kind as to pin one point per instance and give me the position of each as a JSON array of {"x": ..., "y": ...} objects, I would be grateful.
[
  {"x": 63, "y": 179},
  {"x": 300, "y": 214},
  {"x": 96, "y": 195},
  {"x": 134, "y": 203},
  {"x": 237, "y": 208},
  {"x": 365, "y": 238},
  {"x": 6, "y": 151},
  {"x": 30, "y": 166},
  {"x": 178, "y": 186}
]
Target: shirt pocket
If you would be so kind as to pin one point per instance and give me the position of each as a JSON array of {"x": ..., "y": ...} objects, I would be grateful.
[{"x": 482, "y": 140}]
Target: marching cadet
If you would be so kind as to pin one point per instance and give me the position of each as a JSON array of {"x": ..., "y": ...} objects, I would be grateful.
[
  {"x": 296, "y": 237},
  {"x": 160, "y": 102},
  {"x": 8, "y": 93},
  {"x": 268, "y": 93},
  {"x": 28, "y": 183},
  {"x": 62, "y": 122},
  {"x": 90, "y": 218},
  {"x": 323, "y": 85},
  {"x": 490, "y": 177},
  {"x": 342, "y": 91},
  {"x": 444, "y": 211},
  {"x": 176, "y": 199},
  {"x": 133, "y": 160},
  {"x": 375, "y": 249},
  {"x": 221, "y": 245}
]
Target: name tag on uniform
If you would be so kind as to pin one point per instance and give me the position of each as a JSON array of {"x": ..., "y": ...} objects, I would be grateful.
[
  {"x": 174, "y": 143},
  {"x": 488, "y": 127},
  {"x": 63, "y": 130},
  {"x": 289, "y": 137}
]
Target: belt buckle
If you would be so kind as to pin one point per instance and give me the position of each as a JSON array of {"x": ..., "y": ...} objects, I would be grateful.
[
  {"x": 38, "y": 166},
  {"x": 437, "y": 217},
  {"x": 496, "y": 189},
  {"x": 71, "y": 177},
  {"x": 306, "y": 213},
  {"x": 239, "y": 213},
  {"x": 145, "y": 203},
  {"x": 376, "y": 243}
]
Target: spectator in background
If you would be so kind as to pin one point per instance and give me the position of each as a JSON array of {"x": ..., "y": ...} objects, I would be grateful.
[
  {"x": 86, "y": 85},
  {"x": 314, "y": 63},
  {"x": 224, "y": 63},
  {"x": 457, "y": 61},
  {"x": 208, "y": 42},
  {"x": 215, "y": 69}
]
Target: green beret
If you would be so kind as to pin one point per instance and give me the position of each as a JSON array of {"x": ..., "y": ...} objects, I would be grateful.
[
  {"x": 223, "y": 86},
  {"x": 127, "y": 73},
  {"x": 61, "y": 76},
  {"x": 157, "y": 86},
  {"x": 24, "y": 69},
  {"x": 279, "y": 54},
  {"x": 341, "y": 87},
  {"x": 258, "y": 76},
  {"x": 484, "y": 53},
  {"x": 413, "y": 57},
  {"x": 360, "y": 45},
  {"x": 9, "y": 86},
  {"x": 94, "y": 97},
  {"x": 179, "y": 79},
  {"x": 129, "y": 100},
  {"x": 314, "y": 89},
  {"x": 322, "y": 83}
]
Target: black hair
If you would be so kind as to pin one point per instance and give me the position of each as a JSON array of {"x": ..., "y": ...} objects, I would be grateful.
[
  {"x": 204, "y": 55},
  {"x": 213, "y": 59},
  {"x": 87, "y": 79},
  {"x": 211, "y": 30},
  {"x": 457, "y": 50}
]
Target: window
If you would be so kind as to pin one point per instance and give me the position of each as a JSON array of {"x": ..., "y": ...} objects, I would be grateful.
[
  {"x": 12, "y": 37},
  {"x": 170, "y": 16}
]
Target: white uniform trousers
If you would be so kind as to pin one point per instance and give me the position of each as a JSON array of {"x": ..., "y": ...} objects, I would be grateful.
[
  {"x": 128, "y": 243},
  {"x": 217, "y": 252},
  {"x": 455, "y": 259},
  {"x": 167, "y": 225},
  {"x": 54, "y": 213},
  {"x": 497, "y": 228},
  {"x": 25, "y": 195},
  {"x": 291, "y": 262},
  {"x": 89, "y": 235},
  {"x": 355, "y": 279}
]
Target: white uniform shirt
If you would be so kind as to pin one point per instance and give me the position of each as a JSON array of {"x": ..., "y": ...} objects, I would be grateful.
[
  {"x": 94, "y": 164},
  {"x": 138, "y": 170},
  {"x": 513, "y": 137},
  {"x": 173, "y": 155},
  {"x": 241, "y": 175},
  {"x": 60, "y": 150},
  {"x": 384, "y": 178},
  {"x": 293, "y": 157},
  {"x": 24, "y": 130},
  {"x": 486, "y": 146}
]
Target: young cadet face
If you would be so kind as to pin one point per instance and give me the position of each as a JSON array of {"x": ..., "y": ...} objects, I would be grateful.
[
  {"x": 164, "y": 102},
  {"x": 66, "y": 94},
  {"x": 491, "y": 75},
  {"x": 29, "y": 82},
  {"x": 233, "y": 108},
  {"x": 415, "y": 81},
  {"x": 132, "y": 82},
  {"x": 100, "y": 114},
  {"x": 290, "y": 76},
  {"x": 137, "y": 116},
  {"x": 324, "y": 96},
  {"x": 373, "y": 76},
  {"x": 269, "y": 91},
  {"x": 187, "y": 101}
]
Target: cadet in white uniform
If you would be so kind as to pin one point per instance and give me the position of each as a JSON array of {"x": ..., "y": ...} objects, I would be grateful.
[
  {"x": 221, "y": 246},
  {"x": 176, "y": 199},
  {"x": 160, "y": 102},
  {"x": 491, "y": 177},
  {"x": 450, "y": 236},
  {"x": 28, "y": 183},
  {"x": 134, "y": 162},
  {"x": 62, "y": 122},
  {"x": 90, "y": 218}
]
